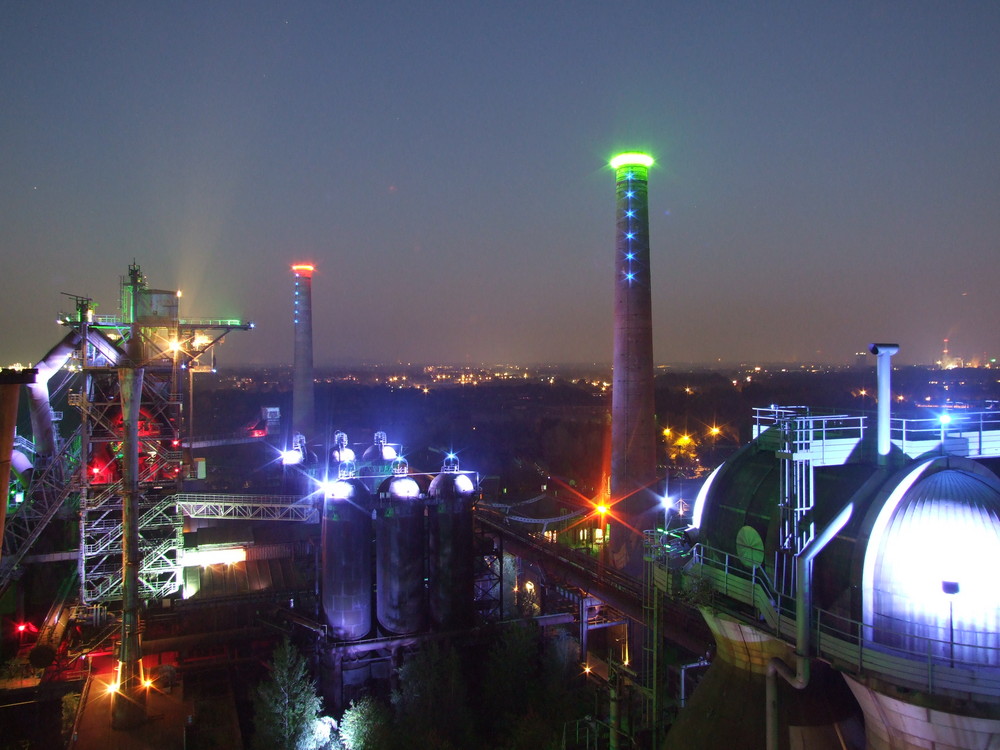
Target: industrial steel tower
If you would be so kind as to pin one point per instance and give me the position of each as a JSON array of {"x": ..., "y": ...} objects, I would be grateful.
[
  {"x": 633, "y": 439},
  {"x": 303, "y": 399}
]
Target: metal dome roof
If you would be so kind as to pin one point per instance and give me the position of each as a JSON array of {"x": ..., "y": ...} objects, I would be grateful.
[
  {"x": 449, "y": 485},
  {"x": 929, "y": 566}
]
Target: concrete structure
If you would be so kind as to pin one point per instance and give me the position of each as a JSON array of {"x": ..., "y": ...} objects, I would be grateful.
[
  {"x": 303, "y": 391},
  {"x": 825, "y": 544},
  {"x": 633, "y": 438}
]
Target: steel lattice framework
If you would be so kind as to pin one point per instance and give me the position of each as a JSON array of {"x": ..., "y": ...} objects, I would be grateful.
[
  {"x": 82, "y": 474},
  {"x": 247, "y": 507}
]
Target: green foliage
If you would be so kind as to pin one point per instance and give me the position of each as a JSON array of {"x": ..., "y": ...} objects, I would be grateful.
[
  {"x": 70, "y": 704},
  {"x": 532, "y": 732},
  {"x": 511, "y": 672},
  {"x": 365, "y": 725},
  {"x": 432, "y": 686},
  {"x": 513, "y": 692},
  {"x": 286, "y": 706}
]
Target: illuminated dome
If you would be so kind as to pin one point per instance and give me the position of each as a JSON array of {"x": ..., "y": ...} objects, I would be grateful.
[
  {"x": 449, "y": 485},
  {"x": 402, "y": 488},
  {"x": 929, "y": 569},
  {"x": 341, "y": 451},
  {"x": 346, "y": 489},
  {"x": 343, "y": 454},
  {"x": 380, "y": 450}
]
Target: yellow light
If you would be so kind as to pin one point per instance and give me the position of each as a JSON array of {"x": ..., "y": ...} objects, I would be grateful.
[
  {"x": 714, "y": 431},
  {"x": 632, "y": 157},
  {"x": 205, "y": 558},
  {"x": 602, "y": 509},
  {"x": 175, "y": 345}
]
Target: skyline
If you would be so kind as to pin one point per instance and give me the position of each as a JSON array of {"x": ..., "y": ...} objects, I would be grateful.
[{"x": 826, "y": 176}]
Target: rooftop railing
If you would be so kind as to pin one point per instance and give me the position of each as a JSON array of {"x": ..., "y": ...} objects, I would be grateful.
[{"x": 961, "y": 662}]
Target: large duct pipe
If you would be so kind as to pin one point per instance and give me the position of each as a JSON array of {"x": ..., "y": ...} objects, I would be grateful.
[
  {"x": 884, "y": 353},
  {"x": 803, "y": 612},
  {"x": 128, "y": 705},
  {"x": 633, "y": 431},
  {"x": 10, "y": 387},
  {"x": 38, "y": 392}
]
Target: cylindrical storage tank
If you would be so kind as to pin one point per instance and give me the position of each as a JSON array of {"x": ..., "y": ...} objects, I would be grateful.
[
  {"x": 346, "y": 581},
  {"x": 401, "y": 601},
  {"x": 377, "y": 461},
  {"x": 449, "y": 550}
]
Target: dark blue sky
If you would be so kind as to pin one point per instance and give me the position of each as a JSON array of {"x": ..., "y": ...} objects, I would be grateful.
[{"x": 827, "y": 174}]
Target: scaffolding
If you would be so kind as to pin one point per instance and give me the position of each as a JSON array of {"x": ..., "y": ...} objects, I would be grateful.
[{"x": 83, "y": 475}]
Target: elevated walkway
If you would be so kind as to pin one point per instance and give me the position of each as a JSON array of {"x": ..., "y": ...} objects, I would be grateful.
[{"x": 722, "y": 581}]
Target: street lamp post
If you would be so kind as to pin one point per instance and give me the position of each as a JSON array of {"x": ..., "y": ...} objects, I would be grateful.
[{"x": 951, "y": 588}]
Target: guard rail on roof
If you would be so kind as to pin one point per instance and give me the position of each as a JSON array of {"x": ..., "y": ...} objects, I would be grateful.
[{"x": 845, "y": 643}]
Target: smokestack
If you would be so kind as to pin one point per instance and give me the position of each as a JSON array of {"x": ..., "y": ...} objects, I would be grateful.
[
  {"x": 303, "y": 399},
  {"x": 884, "y": 353},
  {"x": 633, "y": 439}
]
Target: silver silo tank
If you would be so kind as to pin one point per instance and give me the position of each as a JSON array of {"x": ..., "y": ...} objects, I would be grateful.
[
  {"x": 401, "y": 602},
  {"x": 449, "y": 546},
  {"x": 346, "y": 585}
]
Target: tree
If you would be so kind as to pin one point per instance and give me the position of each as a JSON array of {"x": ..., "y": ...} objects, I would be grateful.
[
  {"x": 432, "y": 686},
  {"x": 286, "y": 706},
  {"x": 365, "y": 725}
]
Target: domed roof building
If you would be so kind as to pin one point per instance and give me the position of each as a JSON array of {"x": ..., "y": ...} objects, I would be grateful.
[{"x": 825, "y": 546}]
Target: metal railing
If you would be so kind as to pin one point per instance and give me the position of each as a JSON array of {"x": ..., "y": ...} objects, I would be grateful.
[
  {"x": 889, "y": 648},
  {"x": 971, "y": 434}
]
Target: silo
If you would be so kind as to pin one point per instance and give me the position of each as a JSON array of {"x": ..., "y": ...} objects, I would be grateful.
[
  {"x": 377, "y": 461},
  {"x": 449, "y": 547},
  {"x": 347, "y": 559},
  {"x": 401, "y": 601}
]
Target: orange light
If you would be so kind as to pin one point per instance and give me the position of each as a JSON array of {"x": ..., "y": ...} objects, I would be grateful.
[
  {"x": 304, "y": 268},
  {"x": 602, "y": 509}
]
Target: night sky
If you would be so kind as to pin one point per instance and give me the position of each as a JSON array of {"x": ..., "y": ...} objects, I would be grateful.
[{"x": 828, "y": 173}]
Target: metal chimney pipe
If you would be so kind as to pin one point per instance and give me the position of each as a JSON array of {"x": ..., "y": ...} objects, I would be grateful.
[
  {"x": 128, "y": 702},
  {"x": 884, "y": 353}
]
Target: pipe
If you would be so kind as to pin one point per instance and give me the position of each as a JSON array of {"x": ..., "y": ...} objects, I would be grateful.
[
  {"x": 702, "y": 662},
  {"x": 10, "y": 388},
  {"x": 128, "y": 705},
  {"x": 803, "y": 609},
  {"x": 38, "y": 393},
  {"x": 884, "y": 353}
]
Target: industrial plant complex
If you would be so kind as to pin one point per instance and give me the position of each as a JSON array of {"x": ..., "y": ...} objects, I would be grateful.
[{"x": 830, "y": 584}]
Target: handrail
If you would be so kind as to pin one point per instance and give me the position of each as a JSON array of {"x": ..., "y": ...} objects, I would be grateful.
[{"x": 841, "y": 639}]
